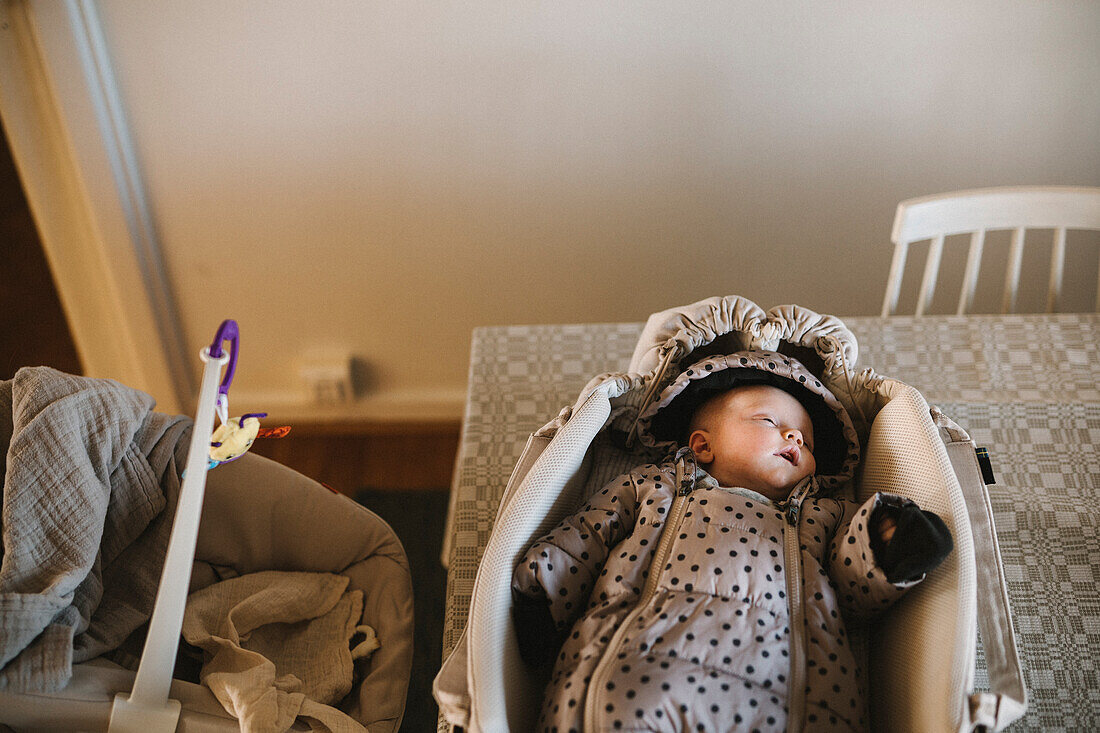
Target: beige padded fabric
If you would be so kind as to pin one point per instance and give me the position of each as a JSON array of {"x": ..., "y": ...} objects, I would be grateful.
[
  {"x": 732, "y": 323},
  {"x": 260, "y": 515},
  {"x": 803, "y": 327},
  {"x": 695, "y": 325},
  {"x": 922, "y": 650}
]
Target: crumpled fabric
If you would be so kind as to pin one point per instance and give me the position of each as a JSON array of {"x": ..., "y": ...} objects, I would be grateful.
[
  {"x": 89, "y": 491},
  {"x": 278, "y": 647},
  {"x": 741, "y": 324}
]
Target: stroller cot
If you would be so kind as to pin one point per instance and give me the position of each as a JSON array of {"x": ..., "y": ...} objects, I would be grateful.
[
  {"x": 909, "y": 449},
  {"x": 256, "y": 516}
]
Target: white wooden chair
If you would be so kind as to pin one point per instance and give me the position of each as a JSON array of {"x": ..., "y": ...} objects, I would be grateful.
[{"x": 977, "y": 211}]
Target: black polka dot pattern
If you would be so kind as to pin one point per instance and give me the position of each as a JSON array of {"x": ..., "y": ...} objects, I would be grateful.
[{"x": 710, "y": 649}]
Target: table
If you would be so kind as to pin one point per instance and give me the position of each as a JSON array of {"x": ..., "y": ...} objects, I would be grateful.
[{"x": 1025, "y": 386}]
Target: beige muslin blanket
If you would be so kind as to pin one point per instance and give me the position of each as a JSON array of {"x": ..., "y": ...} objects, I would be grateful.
[{"x": 278, "y": 647}]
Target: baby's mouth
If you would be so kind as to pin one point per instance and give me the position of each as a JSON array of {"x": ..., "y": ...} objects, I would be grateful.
[{"x": 791, "y": 454}]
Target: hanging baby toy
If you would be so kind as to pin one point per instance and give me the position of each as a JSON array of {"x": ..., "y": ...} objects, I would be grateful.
[{"x": 235, "y": 436}]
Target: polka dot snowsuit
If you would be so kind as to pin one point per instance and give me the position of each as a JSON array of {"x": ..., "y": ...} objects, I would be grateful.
[
  {"x": 708, "y": 650},
  {"x": 704, "y": 645}
]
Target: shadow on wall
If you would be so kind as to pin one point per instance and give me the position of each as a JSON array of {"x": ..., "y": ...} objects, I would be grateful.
[{"x": 33, "y": 330}]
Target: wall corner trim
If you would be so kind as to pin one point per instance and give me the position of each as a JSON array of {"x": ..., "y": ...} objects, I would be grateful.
[{"x": 65, "y": 121}]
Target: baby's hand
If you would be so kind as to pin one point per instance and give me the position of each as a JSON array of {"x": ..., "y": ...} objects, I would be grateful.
[
  {"x": 907, "y": 541},
  {"x": 886, "y": 528},
  {"x": 538, "y": 637}
]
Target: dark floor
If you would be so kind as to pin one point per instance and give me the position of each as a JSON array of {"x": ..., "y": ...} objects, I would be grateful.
[{"x": 418, "y": 518}]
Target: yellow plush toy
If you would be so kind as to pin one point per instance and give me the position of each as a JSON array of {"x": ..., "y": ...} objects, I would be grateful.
[{"x": 234, "y": 437}]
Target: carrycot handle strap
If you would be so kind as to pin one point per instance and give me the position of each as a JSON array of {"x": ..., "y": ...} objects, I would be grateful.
[{"x": 1007, "y": 699}]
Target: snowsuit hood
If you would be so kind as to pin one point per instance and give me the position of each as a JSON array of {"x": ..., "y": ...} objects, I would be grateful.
[{"x": 666, "y": 420}]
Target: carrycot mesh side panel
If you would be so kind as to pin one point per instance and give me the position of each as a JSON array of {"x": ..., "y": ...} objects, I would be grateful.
[
  {"x": 921, "y": 667},
  {"x": 507, "y": 697}
]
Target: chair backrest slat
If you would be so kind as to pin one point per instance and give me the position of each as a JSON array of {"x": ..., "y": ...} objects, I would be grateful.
[
  {"x": 893, "y": 284},
  {"x": 977, "y": 211},
  {"x": 1012, "y": 272},
  {"x": 970, "y": 277},
  {"x": 931, "y": 272},
  {"x": 1098, "y": 289},
  {"x": 1057, "y": 264}
]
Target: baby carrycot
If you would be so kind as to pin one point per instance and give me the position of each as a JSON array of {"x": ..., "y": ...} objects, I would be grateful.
[
  {"x": 95, "y": 447},
  {"x": 924, "y": 682}
]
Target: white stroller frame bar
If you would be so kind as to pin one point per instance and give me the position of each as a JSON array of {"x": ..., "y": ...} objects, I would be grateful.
[{"x": 147, "y": 709}]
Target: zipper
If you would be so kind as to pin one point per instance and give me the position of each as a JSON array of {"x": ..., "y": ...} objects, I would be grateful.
[
  {"x": 686, "y": 484},
  {"x": 792, "y": 561}
]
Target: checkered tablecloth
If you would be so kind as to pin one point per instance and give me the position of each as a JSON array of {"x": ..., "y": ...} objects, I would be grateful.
[{"x": 1024, "y": 386}]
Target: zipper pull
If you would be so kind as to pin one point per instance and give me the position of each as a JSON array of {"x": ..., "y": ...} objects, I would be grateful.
[
  {"x": 793, "y": 505},
  {"x": 794, "y": 501}
]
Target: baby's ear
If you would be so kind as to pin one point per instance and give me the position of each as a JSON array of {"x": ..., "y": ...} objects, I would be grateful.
[{"x": 699, "y": 442}]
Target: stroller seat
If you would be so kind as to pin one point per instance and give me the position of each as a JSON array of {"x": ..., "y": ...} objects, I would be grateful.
[{"x": 91, "y": 488}]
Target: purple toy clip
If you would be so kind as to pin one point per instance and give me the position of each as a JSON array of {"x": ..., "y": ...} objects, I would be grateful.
[
  {"x": 228, "y": 331},
  {"x": 257, "y": 415}
]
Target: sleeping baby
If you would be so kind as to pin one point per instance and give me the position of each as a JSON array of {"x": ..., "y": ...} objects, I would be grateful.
[{"x": 668, "y": 602}]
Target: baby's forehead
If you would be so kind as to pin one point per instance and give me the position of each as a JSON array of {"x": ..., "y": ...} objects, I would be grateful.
[
  {"x": 756, "y": 396},
  {"x": 761, "y": 393}
]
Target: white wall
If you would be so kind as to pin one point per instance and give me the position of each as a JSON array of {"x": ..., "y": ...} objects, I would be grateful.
[{"x": 381, "y": 177}]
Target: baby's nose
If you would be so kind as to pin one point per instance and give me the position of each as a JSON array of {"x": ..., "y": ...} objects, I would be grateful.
[{"x": 794, "y": 434}]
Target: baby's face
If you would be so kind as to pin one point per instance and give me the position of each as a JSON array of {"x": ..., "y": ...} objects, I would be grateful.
[{"x": 757, "y": 437}]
